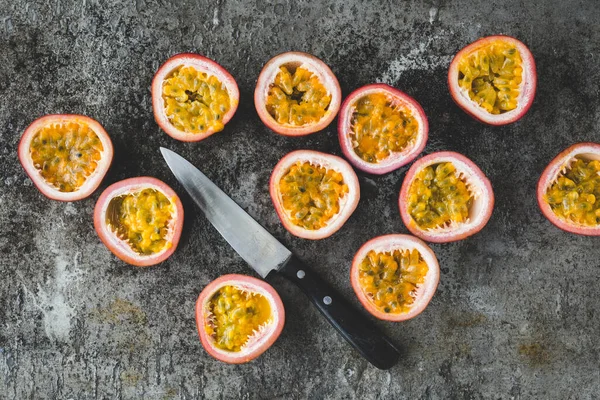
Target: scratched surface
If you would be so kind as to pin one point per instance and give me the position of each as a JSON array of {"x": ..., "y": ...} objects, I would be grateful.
[{"x": 516, "y": 312}]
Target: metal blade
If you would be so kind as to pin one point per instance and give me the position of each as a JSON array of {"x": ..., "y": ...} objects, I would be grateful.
[{"x": 249, "y": 239}]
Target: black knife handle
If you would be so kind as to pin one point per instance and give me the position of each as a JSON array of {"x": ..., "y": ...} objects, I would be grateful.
[{"x": 370, "y": 342}]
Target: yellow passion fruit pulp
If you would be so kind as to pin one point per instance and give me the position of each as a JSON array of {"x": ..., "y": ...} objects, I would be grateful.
[
  {"x": 575, "y": 195},
  {"x": 439, "y": 197},
  {"x": 142, "y": 219},
  {"x": 66, "y": 154},
  {"x": 390, "y": 279},
  {"x": 380, "y": 127},
  {"x": 492, "y": 75},
  {"x": 236, "y": 315},
  {"x": 297, "y": 98},
  {"x": 311, "y": 194},
  {"x": 195, "y": 101}
]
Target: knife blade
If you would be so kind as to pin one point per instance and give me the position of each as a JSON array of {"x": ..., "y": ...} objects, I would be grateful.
[
  {"x": 248, "y": 238},
  {"x": 265, "y": 254}
]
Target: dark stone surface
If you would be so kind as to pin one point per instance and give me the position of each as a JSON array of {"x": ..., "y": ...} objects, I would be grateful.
[{"x": 515, "y": 315}]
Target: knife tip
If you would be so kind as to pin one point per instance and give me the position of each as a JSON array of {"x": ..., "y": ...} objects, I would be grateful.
[{"x": 164, "y": 151}]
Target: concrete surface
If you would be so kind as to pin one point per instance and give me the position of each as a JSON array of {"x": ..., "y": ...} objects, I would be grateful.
[{"x": 516, "y": 314}]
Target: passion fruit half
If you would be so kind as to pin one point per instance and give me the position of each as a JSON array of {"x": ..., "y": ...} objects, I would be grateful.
[
  {"x": 494, "y": 79},
  {"x": 238, "y": 318},
  {"x": 568, "y": 191},
  {"x": 445, "y": 197},
  {"x": 297, "y": 94},
  {"x": 139, "y": 220},
  {"x": 395, "y": 276},
  {"x": 66, "y": 156},
  {"x": 193, "y": 97},
  {"x": 314, "y": 193},
  {"x": 381, "y": 128}
]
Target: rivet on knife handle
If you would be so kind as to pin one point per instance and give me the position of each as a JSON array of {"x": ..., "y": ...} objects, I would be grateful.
[{"x": 357, "y": 329}]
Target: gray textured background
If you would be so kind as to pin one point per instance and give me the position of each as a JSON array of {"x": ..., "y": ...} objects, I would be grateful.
[{"x": 516, "y": 313}]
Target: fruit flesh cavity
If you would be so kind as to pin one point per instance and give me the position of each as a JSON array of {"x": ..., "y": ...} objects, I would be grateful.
[
  {"x": 195, "y": 102},
  {"x": 311, "y": 194},
  {"x": 492, "y": 75},
  {"x": 439, "y": 197},
  {"x": 297, "y": 97},
  {"x": 236, "y": 315},
  {"x": 390, "y": 279},
  {"x": 380, "y": 127},
  {"x": 575, "y": 195},
  {"x": 142, "y": 219},
  {"x": 66, "y": 154}
]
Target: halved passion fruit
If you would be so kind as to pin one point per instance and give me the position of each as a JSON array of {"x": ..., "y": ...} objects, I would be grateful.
[
  {"x": 395, "y": 276},
  {"x": 297, "y": 94},
  {"x": 445, "y": 197},
  {"x": 314, "y": 193},
  {"x": 139, "y": 220},
  {"x": 381, "y": 129},
  {"x": 193, "y": 97},
  {"x": 238, "y": 318},
  {"x": 568, "y": 191},
  {"x": 66, "y": 156},
  {"x": 493, "y": 79}
]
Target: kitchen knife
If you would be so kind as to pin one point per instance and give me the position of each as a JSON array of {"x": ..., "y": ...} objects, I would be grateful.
[{"x": 266, "y": 254}]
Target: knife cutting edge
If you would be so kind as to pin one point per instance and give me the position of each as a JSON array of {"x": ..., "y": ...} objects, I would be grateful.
[{"x": 265, "y": 254}]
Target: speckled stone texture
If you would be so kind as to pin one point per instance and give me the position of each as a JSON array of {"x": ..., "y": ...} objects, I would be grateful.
[{"x": 516, "y": 312}]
